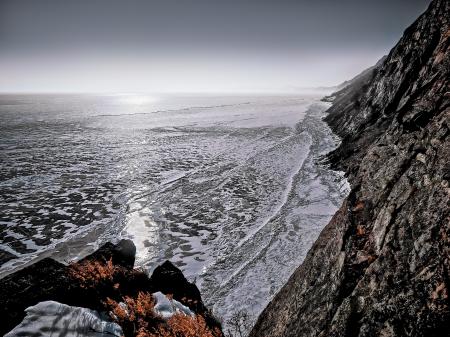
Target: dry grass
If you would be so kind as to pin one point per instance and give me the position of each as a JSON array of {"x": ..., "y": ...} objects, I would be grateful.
[{"x": 91, "y": 273}]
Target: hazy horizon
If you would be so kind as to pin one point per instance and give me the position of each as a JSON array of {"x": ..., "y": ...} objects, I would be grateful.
[{"x": 198, "y": 46}]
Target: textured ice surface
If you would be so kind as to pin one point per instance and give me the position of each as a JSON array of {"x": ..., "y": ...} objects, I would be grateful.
[{"x": 228, "y": 188}]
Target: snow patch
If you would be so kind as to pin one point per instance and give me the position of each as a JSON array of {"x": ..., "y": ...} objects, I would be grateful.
[
  {"x": 167, "y": 307},
  {"x": 51, "y": 318}
]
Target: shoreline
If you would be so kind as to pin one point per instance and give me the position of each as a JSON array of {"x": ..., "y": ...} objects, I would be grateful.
[
  {"x": 306, "y": 212},
  {"x": 312, "y": 128},
  {"x": 381, "y": 265}
]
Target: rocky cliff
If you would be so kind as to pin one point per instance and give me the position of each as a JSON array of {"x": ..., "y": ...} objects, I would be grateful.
[{"x": 381, "y": 266}]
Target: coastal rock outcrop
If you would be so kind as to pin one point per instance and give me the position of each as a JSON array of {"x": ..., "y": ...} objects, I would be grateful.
[
  {"x": 105, "y": 282},
  {"x": 381, "y": 267}
]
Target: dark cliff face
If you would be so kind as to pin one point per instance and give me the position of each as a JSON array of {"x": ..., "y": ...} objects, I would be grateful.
[{"x": 381, "y": 266}]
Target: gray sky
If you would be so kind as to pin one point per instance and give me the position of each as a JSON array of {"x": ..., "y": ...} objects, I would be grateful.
[{"x": 194, "y": 45}]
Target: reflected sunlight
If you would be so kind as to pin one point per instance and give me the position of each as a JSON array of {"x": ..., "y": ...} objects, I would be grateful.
[{"x": 136, "y": 99}]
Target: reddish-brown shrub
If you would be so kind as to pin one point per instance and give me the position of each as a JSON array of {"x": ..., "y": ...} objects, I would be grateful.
[
  {"x": 135, "y": 314},
  {"x": 187, "y": 326},
  {"x": 91, "y": 273},
  {"x": 137, "y": 318}
]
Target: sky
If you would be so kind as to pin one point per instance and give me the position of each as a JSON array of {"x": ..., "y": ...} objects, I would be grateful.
[{"x": 194, "y": 45}]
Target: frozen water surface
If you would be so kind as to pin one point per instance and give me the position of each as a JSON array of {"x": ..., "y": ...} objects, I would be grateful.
[{"x": 229, "y": 188}]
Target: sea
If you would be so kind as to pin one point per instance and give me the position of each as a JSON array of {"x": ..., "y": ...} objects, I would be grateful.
[{"x": 233, "y": 189}]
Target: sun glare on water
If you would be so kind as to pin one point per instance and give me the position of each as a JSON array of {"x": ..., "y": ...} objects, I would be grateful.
[{"x": 136, "y": 99}]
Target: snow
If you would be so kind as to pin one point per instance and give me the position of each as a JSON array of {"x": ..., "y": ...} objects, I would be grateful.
[
  {"x": 51, "y": 318},
  {"x": 167, "y": 308}
]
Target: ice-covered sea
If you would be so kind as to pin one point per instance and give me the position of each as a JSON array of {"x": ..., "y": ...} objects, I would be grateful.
[{"x": 229, "y": 188}]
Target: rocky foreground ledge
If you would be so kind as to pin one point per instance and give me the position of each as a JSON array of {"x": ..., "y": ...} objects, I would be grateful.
[
  {"x": 381, "y": 267},
  {"x": 122, "y": 300}
]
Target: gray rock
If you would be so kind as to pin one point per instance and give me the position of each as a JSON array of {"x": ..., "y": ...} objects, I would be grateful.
[{"x": 381, "y": 266}]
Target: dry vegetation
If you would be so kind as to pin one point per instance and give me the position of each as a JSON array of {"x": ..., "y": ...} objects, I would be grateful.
[
  {"x": 137, "y": 317},
  {"x": 239, "y": 324},
  {"x": 134, "y": 313},
  {"x": 92, "y": 273},
  {"x": 182, "y": 325}
]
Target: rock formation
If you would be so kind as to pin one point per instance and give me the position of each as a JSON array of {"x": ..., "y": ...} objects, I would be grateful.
[
  {"x": 381, "y": 266},
  {"x": 104, "y": 277}
]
